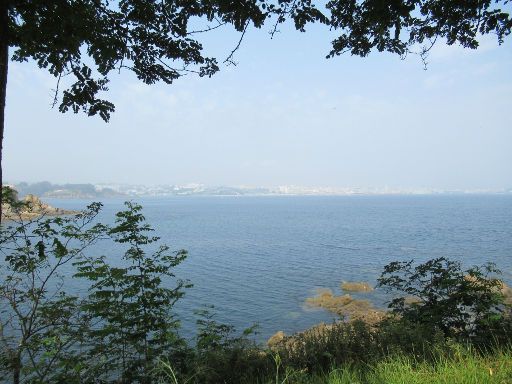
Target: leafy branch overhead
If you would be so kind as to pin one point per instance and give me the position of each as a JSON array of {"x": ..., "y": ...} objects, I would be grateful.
[{"x": 159, "y": 41}]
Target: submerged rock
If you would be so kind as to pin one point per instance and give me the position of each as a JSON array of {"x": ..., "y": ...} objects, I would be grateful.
[
  {"x": 356, "y": 286},
  {"x": 346, "y": 306},
  {"x": 411, "y": 300}
]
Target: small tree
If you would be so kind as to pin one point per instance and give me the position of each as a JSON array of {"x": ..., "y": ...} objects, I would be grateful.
[
  {"x": 222, "y": 355},
  {"x": 116, "y": 333},
  {"x": 130, "y": 305},
  {"x": 460, "y": 303},
  {"x": 40, "y": 322}
]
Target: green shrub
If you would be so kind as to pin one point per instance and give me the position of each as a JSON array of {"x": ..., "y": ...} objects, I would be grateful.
[
  {"x": 459, "y": 303},
  {"x": 222, "y": 356},
  {"x": 320, "y": 348}
]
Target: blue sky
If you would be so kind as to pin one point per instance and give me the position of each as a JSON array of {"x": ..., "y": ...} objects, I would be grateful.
[{"x": 284, "y": 115}]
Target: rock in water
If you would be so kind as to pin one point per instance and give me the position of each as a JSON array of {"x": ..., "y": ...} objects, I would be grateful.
[{"x": 360, "y": 286}]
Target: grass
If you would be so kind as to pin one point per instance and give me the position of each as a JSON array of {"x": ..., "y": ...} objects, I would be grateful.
[{"x": 463, "y": 366}]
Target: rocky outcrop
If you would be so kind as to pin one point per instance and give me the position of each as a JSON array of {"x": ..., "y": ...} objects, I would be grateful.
[
  {"x": 351, "y": 309},
  {"x": 29, "y": 208}
]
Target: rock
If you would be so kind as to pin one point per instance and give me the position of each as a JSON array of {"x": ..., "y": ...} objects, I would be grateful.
[
  {"x": 346, "y": 306},
  {"x": 503, "y": 288},
  {"x": 352, "y": 286},
  {"x": 410, "y": 300},
  {"x": 32, "y": 208},
  {"x": 507, "y": 293},
  {"x": 276, "y": 339}
]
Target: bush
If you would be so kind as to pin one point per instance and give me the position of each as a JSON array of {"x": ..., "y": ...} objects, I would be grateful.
[
  {"x": 222, "y": 356},
  {"x": 460, "y": 303},
  {"x": 320, "y": 348}
]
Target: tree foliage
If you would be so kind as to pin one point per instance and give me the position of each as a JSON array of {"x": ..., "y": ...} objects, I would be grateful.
[
  {"x": 88, "y": 40},
  {"x": 458, "y": 302},
  {"x": 116, "y": 332},
  {"x": 400, "y": 25},
  {"x": 40, "y": 322},
  {"x": 131, "y": 304}
]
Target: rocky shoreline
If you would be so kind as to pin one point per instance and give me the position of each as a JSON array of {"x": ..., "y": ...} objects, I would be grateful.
[
  {"x": 350, "y": 309},
  {"x": 31, "y": 207},
  {"x": 345, "y": 306}
]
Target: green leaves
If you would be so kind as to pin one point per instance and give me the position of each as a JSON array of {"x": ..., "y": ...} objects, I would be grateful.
[
  {"x": 118, "y": 330},
  {"x": 59, "y": 249},
  {"x": 89, "y": 39},
  {"x": 129, "y": 303},
  {"x": 41, "y": 323},
  {"x": 400, "y": 26},
  {"x": 456, "y": 301},
  {"x": 83, "y": 95}
]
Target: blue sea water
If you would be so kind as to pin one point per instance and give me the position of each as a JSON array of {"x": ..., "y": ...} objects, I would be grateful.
[{"x": 257, "y": 259}]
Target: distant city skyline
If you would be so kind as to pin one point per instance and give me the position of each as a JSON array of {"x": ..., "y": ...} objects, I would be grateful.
[
  {"x": 116, "y": 185},
  {"x": 283, "y": 116},
  {"x": 99, "y": 191}
]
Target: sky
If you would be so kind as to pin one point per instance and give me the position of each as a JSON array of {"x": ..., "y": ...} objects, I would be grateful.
[{"x": 284, "y": 115}]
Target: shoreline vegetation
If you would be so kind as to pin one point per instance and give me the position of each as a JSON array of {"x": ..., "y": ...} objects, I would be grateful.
[
  {"x": 349, "y": 309},
  {"x": 444, "y": 324}
]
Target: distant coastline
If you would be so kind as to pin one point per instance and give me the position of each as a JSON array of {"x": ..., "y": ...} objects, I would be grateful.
[{"x": 94, "y": 191}]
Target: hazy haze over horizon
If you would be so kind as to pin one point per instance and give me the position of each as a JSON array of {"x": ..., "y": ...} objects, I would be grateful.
[{"x": 284, "y": 116}]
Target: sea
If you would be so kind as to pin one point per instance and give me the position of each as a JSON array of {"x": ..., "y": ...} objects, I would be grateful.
[{"x": 256, "y": 259}]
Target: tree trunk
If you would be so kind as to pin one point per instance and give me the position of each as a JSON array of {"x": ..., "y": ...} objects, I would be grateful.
[
  {"x": 16, "y": 368},
  {"x": 4, "y": 65}
]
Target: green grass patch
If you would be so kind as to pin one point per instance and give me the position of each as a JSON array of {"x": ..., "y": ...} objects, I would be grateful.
[{"x": 465, "y": 366}]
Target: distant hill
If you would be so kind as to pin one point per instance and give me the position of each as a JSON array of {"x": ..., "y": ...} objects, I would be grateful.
[{"x": 74, "y": 191}]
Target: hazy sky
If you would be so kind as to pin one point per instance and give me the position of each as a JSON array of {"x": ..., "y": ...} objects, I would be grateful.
[{"x": 284, "y": 115}]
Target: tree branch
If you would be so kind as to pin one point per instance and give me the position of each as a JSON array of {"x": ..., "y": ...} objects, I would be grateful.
[{"x": 229, "y": 60}]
